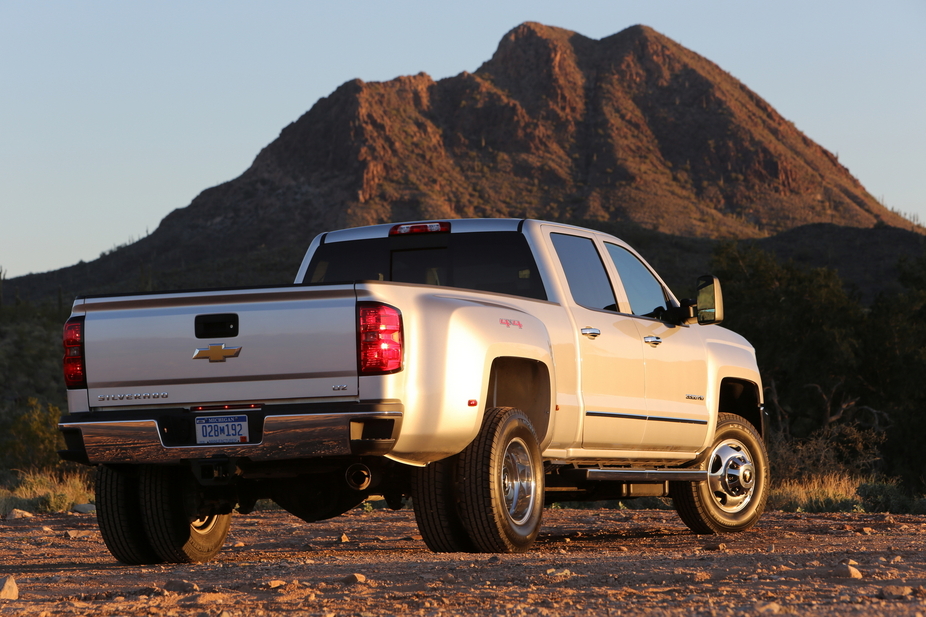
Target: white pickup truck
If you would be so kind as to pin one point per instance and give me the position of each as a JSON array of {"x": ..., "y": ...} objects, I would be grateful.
[{"x": 480, "y": 367}]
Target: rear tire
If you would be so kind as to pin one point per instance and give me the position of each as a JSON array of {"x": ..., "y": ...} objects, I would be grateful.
[
  {"x": 177, "y": 530},
  {"x": 437, "y": 510},
  {"x": 733, "y": 498},
  {"x": 119, "y": 516},
  {"x": 500, "y": 482}
]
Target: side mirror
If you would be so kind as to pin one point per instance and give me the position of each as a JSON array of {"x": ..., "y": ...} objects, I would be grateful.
[{"x": 710, "y": 300}]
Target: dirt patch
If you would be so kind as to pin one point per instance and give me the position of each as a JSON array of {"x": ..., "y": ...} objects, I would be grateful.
[{"x": 587, "y": 562}]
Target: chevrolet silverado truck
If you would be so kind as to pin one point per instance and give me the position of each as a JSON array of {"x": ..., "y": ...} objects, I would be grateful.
[{"x": 480, "y": 367}]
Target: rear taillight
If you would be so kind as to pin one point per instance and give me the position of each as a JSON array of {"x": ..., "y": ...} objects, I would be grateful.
[
  {"x": 75, "y": 369},
  {"x": 380, "y": 338}
]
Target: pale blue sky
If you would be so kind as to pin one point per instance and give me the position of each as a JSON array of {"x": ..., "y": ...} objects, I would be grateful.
[{"x": 112, "y": 114}]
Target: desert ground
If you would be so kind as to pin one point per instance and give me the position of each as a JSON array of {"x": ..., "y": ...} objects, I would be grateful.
[{"x": 586, "y": 562}]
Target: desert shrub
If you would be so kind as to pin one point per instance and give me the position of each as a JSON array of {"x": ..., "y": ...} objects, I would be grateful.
[
  {"x": 44, "y": 491},
  {"x": 835, "y": 450},
  {"x": 30, "y": 438},
  {"x": 885, "y": 496},
  {"x": 833, "y": 492}
]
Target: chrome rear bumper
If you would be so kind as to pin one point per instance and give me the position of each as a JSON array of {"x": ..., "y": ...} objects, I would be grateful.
[{"x": 284, "y": 437}]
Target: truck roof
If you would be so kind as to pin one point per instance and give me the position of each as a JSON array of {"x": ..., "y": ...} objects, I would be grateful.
[{"x": 456, "y": 226}]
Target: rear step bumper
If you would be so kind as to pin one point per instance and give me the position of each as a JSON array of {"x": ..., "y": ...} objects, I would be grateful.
[{"x": 284, "y": 437}]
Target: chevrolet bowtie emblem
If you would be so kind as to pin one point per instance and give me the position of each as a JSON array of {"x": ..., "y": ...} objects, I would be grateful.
[{"x": 217, "y": 353}]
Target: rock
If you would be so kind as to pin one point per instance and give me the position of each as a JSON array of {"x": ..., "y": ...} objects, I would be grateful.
[
  {"x": 73, "y": 534},
  {"x": 8, "y": 588},
  {"x": 767, "y": 608},
  {"x": 496, "y": 558},
  {"x": 84, "y": 508},
  {"x": 17, "y": 513},
  {"x": 554, "y": 572},
  {"x": 866, "y": 531},
  {"x": 238, "y": 544},
  {"x": 344, "y": 538},
  {"x": 206, "y": 599},
  {"x": 719, "y": 546},
  {"x": 700, "y": 577},
  {"x": 849, "y": 562},
  {"x": 896, "y": 559},
  {"x": 353, "y": 579},
  {"x": 179, "y": 586},
  {"x": 894, "y": 592},
  {"x": 275, "y": 584},
  {"x": 844, "y": 570}
]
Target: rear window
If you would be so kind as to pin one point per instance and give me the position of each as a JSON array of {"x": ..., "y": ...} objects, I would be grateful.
[{"x": 499, "y": 262}]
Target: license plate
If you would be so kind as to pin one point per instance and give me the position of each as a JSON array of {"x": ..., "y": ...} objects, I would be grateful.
[{"x": 222, "y": 429}]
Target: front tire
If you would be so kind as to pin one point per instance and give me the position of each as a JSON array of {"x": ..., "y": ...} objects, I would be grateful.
[
  {"x": 500, "y": 483},
  {"x": 177, "y": 530},
  {"x": 734, "y": 495}
]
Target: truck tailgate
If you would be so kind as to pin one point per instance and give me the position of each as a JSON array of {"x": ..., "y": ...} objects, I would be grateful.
[{"x": 224, "y": 346}]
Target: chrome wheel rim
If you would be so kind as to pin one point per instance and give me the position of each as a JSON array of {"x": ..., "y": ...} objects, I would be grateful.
[
  {"x": 731, "y": 476},
  {"x": 519, "y": 486},
  {"x": 204, "y": 525}
]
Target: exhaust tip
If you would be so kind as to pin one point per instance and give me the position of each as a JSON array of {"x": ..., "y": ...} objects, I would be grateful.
[{"x": 358, "y": 476}]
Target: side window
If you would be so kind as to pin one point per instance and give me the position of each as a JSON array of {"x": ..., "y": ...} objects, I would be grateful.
[
  {"x": 585, "y": 273},
  {"x": 647, "y": 298}
]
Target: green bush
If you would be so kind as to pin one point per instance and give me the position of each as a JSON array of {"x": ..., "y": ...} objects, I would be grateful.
[
  {"x": 30, "y": 438},
  {"x": 885, "y": 497}
]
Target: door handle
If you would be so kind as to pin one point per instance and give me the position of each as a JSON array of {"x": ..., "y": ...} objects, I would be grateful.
[
  {"x": 590, "y": 332},
  {"x": 652, "y": 340}
]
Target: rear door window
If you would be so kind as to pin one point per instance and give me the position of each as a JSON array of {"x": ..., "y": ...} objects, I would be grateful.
[{"x": 585, "y": 273}]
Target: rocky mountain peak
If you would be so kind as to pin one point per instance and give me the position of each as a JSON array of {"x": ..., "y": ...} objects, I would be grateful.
[{"x": 631, "y": 128}]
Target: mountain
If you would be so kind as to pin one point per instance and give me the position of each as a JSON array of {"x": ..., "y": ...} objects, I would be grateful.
[{"x": 633, "y": 130}]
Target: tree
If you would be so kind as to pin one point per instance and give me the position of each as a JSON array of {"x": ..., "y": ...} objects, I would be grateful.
[
  {"x": 893, "y": 360},
  {"x": 804, "y": 327}
]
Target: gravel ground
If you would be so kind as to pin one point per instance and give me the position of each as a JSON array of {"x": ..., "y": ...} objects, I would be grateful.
[{"x": 587, "y": 562}]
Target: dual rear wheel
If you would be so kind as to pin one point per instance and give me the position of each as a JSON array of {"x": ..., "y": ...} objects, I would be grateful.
[
  {"x": 150, "y": 514},
  {"x": 488, "y": 498}
]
